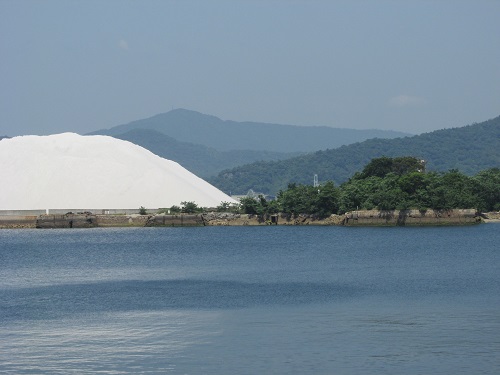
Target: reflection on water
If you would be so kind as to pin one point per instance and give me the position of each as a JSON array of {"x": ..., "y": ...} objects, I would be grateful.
[
  {"x": 59, "y": 301},
  {"x": 115, "y": 343}
]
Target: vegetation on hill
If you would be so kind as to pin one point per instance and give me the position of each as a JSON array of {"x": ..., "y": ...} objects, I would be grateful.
[
  {"x": 194, "y": 127},
  {"x": 469, "y": 149},
  {"x": 201, "y": 160},
  {"x": 386, "y": 184}
]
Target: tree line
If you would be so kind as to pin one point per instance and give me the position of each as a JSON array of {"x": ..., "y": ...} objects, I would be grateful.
[{"x": 385, "y": 184}]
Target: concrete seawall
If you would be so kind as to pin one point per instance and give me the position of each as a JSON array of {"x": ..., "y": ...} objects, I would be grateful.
[
  {"x": 88, "y": 220},
  {"x": 18, "y": 221},
  {"x": 107, "y": 221},
  {"x": 355, "y": 218},
  {"x": 412, "y": 217}
]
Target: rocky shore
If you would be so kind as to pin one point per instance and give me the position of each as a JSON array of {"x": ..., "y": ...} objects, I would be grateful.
[
  {"x": 489, "y": 217},
  {"x": 229, "y": 219}
]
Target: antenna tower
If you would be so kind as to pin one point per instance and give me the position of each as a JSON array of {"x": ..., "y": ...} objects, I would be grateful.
[{"x": 315, "y": 182}]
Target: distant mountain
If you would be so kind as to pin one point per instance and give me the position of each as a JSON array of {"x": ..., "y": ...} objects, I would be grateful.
[
  {"x": 3, "y": 136},
  {"x": 199, "y": 159},
  {"x": 469, "y": 149},
  {"x": 194, "y": 127}
]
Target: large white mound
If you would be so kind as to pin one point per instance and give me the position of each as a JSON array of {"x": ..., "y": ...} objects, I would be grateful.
[{"x": 65, "y": 171}]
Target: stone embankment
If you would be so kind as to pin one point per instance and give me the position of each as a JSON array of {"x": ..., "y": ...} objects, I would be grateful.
[
  {"x": 230, "y": 219},
  {"x": 491, "y": 216},
  {"x": 357, "y": 218},
  {"x": 18, "y": 221},
  {"x": 89, "y": 220},
  {"x": 354, "y": 218},
  {"x": 412, "y": 217}
]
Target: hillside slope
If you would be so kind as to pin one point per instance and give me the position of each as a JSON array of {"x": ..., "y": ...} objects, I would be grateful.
[
  {"x": 469, "y": 149},
  {"x": 194, "y": 127},
  {"x": 201, "y": 160}
]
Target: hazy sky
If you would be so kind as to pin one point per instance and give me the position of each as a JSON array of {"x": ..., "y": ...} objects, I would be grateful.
[{"x": 408, "y": 65}]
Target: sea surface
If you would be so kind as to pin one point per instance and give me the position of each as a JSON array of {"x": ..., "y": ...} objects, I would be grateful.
[{"x": 251, "y": 300}]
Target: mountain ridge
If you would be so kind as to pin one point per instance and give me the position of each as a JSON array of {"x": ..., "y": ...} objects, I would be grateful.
[
  {"x": 470, "y": 149},
  {"x": 226, "y": 135},
  {"x": 202, "y": 160}
]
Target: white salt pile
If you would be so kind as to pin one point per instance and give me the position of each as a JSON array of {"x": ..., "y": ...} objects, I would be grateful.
[{"x": 70, "y": 171}]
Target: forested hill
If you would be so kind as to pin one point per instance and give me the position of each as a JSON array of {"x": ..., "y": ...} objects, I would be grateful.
[
  {"x": 201, "y": 160},
  {"x": 194, "y": 127},
  {"x": 469, "y": 149}
]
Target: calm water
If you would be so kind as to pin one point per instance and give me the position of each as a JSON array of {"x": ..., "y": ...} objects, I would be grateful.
[{"x": 251, "y": 300}]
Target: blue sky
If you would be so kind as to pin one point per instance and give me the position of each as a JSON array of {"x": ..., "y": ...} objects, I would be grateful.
[{"x": 413, "y": 66}]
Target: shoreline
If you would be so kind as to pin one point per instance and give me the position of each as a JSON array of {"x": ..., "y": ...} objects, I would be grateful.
[
  {"x": 491, "y": 217},
  {"x": 356, "y": 218}
]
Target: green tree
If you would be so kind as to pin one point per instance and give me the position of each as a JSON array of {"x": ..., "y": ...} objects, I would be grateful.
[
  {"x": 488, "y": 189},
  {"x": 407, "y": 164},
  {"x": 327, "y": 201},
  {"x": 387, "y": 195},
  {"x": 378, "y": 167},
  {"x": 273, "y": 207},
  {"x": 190, "y": 207},
  {"x": 175, "y": 209},
  {"x": 251, "y": 206},
  {"x": 359, "y": 194},
  {"x": 227, "y": 207},
  {"x": 459, "y": 190},
  {"x": 297, "y": 199},
  {"x": 381, "y": 167}
]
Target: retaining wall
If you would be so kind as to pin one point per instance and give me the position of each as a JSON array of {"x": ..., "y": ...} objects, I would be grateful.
[
  {"x": 18, "y": 221},
  {"x": 66, "y": 221},
  {"x": 412, "y": 217},
  {"x": 355, "y": 218}
]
